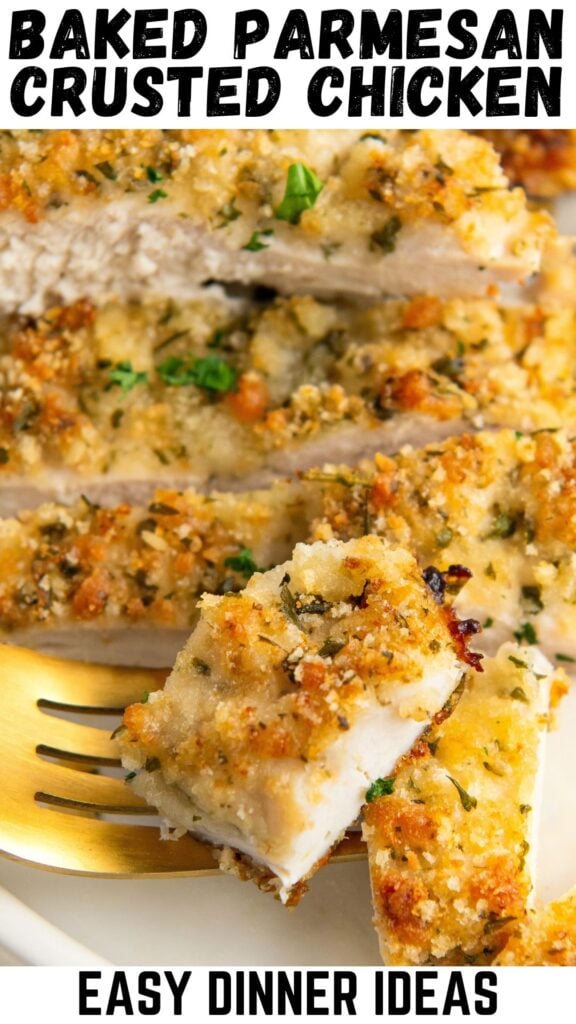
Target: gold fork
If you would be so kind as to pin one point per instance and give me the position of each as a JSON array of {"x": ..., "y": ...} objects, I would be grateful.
[{"x": 52, "y": 812}]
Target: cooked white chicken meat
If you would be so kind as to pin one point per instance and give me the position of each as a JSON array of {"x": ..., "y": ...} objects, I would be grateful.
[
  {"x": 123, "y": 214},
  {"x": 289, "y": 699},
  {"x": 112, "y": 402}
]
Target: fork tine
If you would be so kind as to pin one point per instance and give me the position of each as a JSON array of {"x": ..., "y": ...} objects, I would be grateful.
[
  {"x": 76, "y": 742},
  {"x": 61, "y": 682},
  {"x": 94, "y": 791}
]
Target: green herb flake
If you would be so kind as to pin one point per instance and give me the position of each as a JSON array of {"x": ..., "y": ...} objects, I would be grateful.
[
  {"x": 490, "y": 571},
  {"x": 331, "y": 647},
  {"x": 159, "y": 508},
  {"x": 255, "y": 245},
  {"x": 153, "y": 175},
  {"x": 152, "y": 764},
  {"x": 503, "y": 526},
  {"x": 490, "y": 768},
  {"x": 385, "y": 237},
  {"x": 4, "y": 456},
  {"x": 517, "y": 661},
  {"x": 243, "y": 563},
  {"x": 125, "y": 377},
  {"x": 201, "y": 667},
  {"x": 228, "y": 214},
  {"x": 157, "y": 194},
  {"x": 214, "y": 374},
  {"x": 289, "y": 606},
  {"x": 488, "y": 622},
  {"x": 468, "y": 802},
  {"x": 565, "y": 658},
  {"x": 210, "y": 372},
  {"x": 525, "y": 808},
  {"x": 107, "y": 170},
  {"x": 444, "y": 537},
  {"x": 381, "y": 787},
  {"x": 130, "y": 776},
  {"x": 526, "y": 634},
  {"x": 532, "y": 599},
  {"x": 495, "y": 923},
  {"x": 519, "y": 694},
  {"x": 303, "y": 187}
]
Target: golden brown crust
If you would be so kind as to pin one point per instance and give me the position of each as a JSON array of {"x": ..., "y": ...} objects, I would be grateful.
[
  {"x": 546, "y": 939},
  {"x": 449, "y": 847}
]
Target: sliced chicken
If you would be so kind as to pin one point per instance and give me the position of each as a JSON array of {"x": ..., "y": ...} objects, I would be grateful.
[
  {"x": 451, "y": 834},
  {"x": 289, "y": 700},
  {"x": 547, "y": 938},
  {"x": 228, "y": 393},
  {"x": 497, "y": 507},
  {"x": 122, "y": 214},
  {"x": 120, "y": 585}
]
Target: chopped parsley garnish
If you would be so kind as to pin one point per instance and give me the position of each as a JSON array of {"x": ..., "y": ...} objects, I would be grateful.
[
  {"x": 289, "y": 606},
  {"x": 566, "y": 657},
  {"x": 157, "y": 194},
  {"x": 385, "y": 238},
  {"x": 444, "y": 536},
  {"x": 159, "y": 508},
  {"x": 125, "y": 377},
  {"x": 517, "y": 661},
  {"x": 255, "y": 245},
  {"x": 381, "y": 787},
  {"x": 303, "y": 187},
  {"x": 243, "y": 563},
  {"x": 467, "y": 801},
  {"x": 331, "y": 647},
  {"x": 449, "y": 366},
  {"x": 152, "y": 764},
  {"x": 228, "y": 213},
  {"x": 489, "y": 622},
  {"x": 495, "y": 923},
  {"x": 532, "y": 599},
  {"x": 525, "y": 808},
  {"x": 210, "y": 372},
  {"x": 107, "y": 170},
  {"x": 504, "y": 526},
  {"x": 526, "y": 634},
  {"x": 130, "y": 776},
  {"x": 153, "y": 175},
  {"x": 4, "y": 456},
  {"x": 201, "y": 667},
  {"x": 491, "y": 768},
  {"x": 519, "y": 694}
]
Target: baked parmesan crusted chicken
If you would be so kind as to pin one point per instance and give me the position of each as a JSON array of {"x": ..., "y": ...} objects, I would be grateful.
[
  {"x": 289, "y": 699},
  {"x": 219, "y": 392},
  {"x": 132, "y": 213},
  {"x": 88, "y": 581},
  {"x": 542, "y": 160},
  {"x": 546, "y": 939},
  {"x": 451, "y": 835}
]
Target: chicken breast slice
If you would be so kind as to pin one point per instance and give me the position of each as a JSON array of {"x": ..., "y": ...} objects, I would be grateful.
[
  {"x": 451, "y": 834},
  {"x": 490, "y": 516},
  {"x": 122, "y": 214},
  {"x": 289, "y": 699},
  {"x": 220, "y": 393},
  {"x": 547, "y": 938}
]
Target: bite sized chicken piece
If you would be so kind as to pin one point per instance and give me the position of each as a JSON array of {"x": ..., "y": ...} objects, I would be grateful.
[
  {"x": 451, "y": 834},
  {"x": 542, "y": 160},
  {"x": 547, "y": 938},
  {"x": 122, "y": 214},
  {"x": 227, "y": 393},
  {"x": 289, "y": 700}
]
